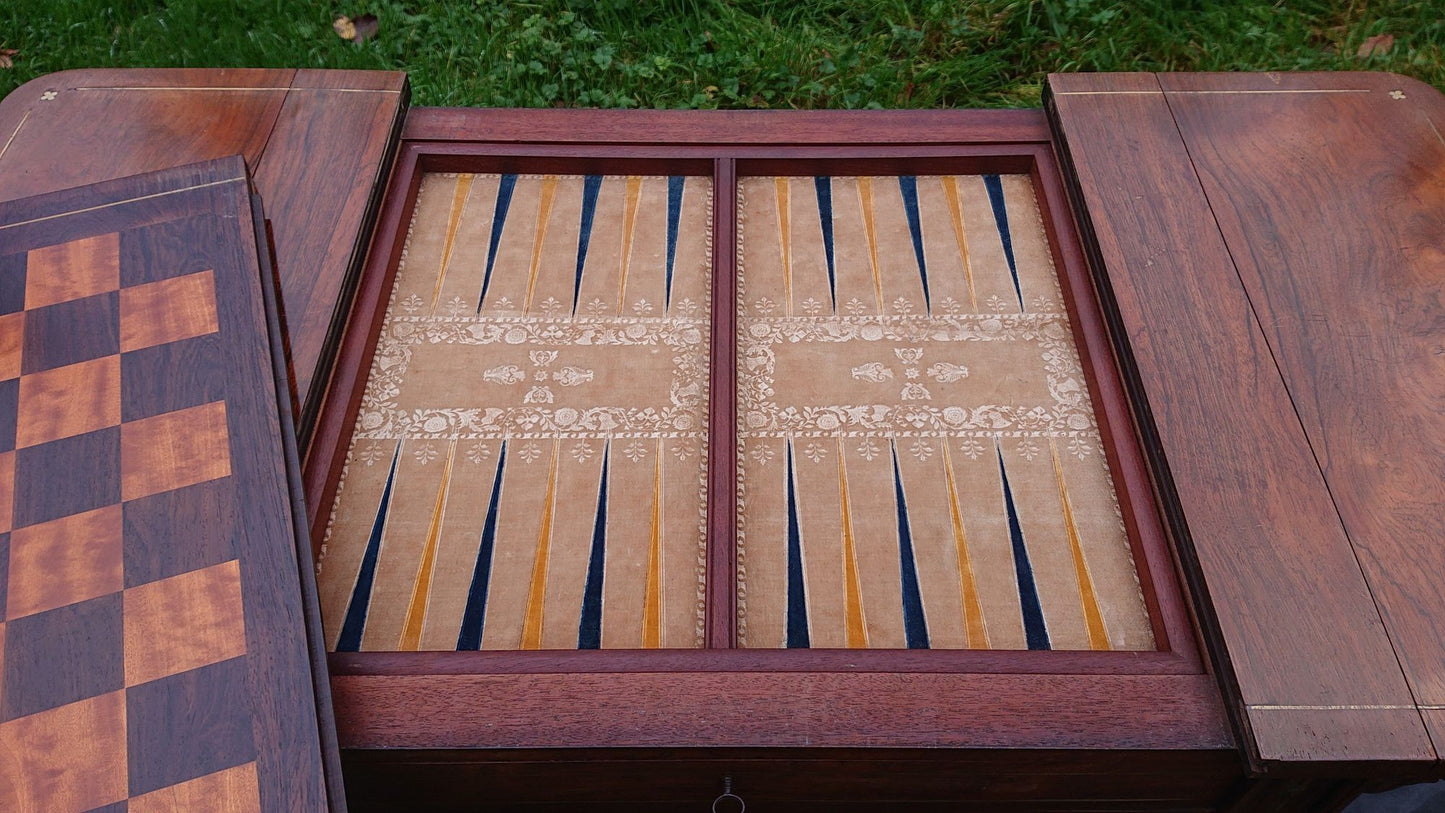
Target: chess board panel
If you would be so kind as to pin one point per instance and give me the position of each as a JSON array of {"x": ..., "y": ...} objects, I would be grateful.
[{"x": 155, "y": 653}]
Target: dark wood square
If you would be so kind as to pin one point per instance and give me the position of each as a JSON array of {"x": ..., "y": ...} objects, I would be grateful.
[
  {"x": 67, "y": 476},
  {"x": 61, "y": 656},
  {"x": 4, "y": 580},
  {"x": 12, "y": 283},
  {"x": 151, "y": 552},
  {"x": 71, "y": 332},
  {"x": 188, "y": 725},
  {"x": 9, "y": 400},
  {"x": 173, "y": 248},
  {"x": 172, "y": 376},
  {"x": 118, "y": 807}
]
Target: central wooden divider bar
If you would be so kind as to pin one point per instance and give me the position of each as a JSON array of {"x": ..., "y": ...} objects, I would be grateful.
[
  {"x": 722, "y": 504},
  {"x": 1310, "y": 667}
]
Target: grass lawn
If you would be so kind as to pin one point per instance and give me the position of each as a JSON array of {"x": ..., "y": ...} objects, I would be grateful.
[{"x": 708, "y": 53}]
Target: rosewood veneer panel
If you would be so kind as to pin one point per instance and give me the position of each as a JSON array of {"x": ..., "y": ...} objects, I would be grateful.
[
  {"x": 85, "y": 126},
  {"x": 323, "y": 170},
  {"x": 1331, "y": 198},
  {"x": 155, "y": 641},
  {"x": 317, "y": 142},
  {"x": 1306, "y": 653}
]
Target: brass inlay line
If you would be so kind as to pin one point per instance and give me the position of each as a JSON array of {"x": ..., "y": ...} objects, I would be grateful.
[
  {"x": 1431, "y": 124},
  {"x": 344, "y": 90},
  {"x": 856, "y": 625},
  {"x": 652, "y": 594},
  {"x": 1214, "y": 92},
  {"x": 1282, "y": 90},
  {"x": 955, "y": 206},
  {"x": 865, "y": 201},
  {"x": 11, "y": 139},
  {"x": 459, "y": 201},
  {"x": 242, "y": 89},
  {"x": 544, "y": 213},
  {"x": 537, "y": 594},
  {"x": 976, "y": 629},
  {"x": 785, "y": 235},
  {"x": 120, "y": 203},
  {"x": 1093, "y": 618},
  {"x": 1380, "y": 707},
  {"x": 426, "y": 569},
  {"x": 629, "y": 219}
]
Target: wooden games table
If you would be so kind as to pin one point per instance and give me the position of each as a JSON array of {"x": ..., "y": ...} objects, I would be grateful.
[{"x": 1235, "y": 280}]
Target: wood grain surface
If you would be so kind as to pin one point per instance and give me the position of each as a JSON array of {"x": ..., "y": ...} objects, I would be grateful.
[
  {"x": 788, "y": 779},
  {"x": 320, "y": 181},
  {"x": 730, "y": 129},
  {"x": 1332, "y": 205},
  {"x": 317, "y": 143},
  {"x": 746, "y": 709},
  {"x": 1306, "y": 657}
]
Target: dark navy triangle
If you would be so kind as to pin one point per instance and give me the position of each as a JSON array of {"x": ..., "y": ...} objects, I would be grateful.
[
  {"x": 475, "y": 614},
  {"x": 797, "y": 596},
  {"x": 499, "y": 221},
  {"x": 591, "y": 185},
  {"x": 355, "y": 622},
  {"x": 994, "y": 184},
  {"x": 823, "y": 186},
  {"x": 915, "y": 625},
  {"x": 908, "y": 185},
  {"x": 1036, "y": 633},
  {"x": 675, "y": 185},
  {"x": 589, "y": 627}
]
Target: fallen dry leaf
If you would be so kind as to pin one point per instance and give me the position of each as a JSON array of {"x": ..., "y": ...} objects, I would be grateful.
[
  {"x": 366, "y": 27},
  {"x": 1378, "y": 44},
  {"x": 7, "y": 57},
  {"x": 357, "y": 30}
]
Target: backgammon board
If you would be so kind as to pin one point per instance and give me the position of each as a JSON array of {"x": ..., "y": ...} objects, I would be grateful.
[{"x": 1083, "y": 458}]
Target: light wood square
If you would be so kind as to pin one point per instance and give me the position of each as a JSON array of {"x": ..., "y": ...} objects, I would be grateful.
[
  {"x": 183, "y": 623},
  {"x": 72, "y": 757},
  {"x": 68, "y": 401},
  {"x": 174, "y": 450},
  {"x": 65, "y": 561},
  {"x": 72, "y": 270},
  {"x": 12, "y": 341},
  {"x": 168, "y": 311},
  {"x": 234, "y": 790}
]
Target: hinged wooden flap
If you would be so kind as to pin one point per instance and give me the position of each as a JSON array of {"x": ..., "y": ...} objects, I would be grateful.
[
  {"x": 1272, "y": 247},
  {"x": 319, "y": 143},
  {"x": 157, "y": 644}
]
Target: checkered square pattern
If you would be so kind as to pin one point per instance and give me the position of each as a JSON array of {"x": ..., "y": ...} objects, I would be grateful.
[{"x": 123, "y": 681}]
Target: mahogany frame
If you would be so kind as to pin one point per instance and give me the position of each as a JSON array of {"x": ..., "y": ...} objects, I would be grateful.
[{"x": 749, "y": 698}]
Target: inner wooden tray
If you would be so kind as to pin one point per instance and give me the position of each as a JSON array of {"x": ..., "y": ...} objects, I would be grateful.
[{"x": 863, "y": 439}]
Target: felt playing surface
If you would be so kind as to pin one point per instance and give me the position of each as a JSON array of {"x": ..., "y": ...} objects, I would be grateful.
[
  {"x": 527, "y": 469},
  {"x": 919, "y": 461}
]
